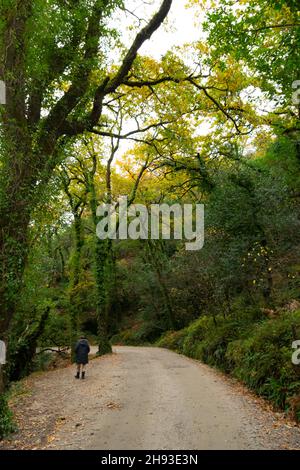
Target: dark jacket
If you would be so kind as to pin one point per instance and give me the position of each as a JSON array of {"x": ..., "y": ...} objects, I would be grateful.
[{"x": 82, "y": 350}]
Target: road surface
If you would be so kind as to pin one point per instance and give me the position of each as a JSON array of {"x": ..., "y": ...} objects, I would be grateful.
[{"x": 148, "y": 398}]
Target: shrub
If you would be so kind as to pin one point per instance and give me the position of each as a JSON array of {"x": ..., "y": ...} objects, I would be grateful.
[
  {"x": 7, "y": 425},
  {"x": 263, "y": 360},
  {"x": 137, "y": 335},
  {"x": 172, "y": 340}
]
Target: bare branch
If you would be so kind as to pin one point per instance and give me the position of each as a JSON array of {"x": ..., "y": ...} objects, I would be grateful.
[{"x": 110, "y": 85}]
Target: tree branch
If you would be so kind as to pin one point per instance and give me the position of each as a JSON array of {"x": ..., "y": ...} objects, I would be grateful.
[
  {"x": 56, "y": 120},
  {"x": 141, "y": 37},
  {"x": 110, "y": 85}
]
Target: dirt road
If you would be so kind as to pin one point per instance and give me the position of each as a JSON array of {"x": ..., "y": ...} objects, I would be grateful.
[{"x": 146, "y": 398}]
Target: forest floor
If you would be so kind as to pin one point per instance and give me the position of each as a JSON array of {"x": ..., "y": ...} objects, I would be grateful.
[{"x": 144, "y": 398}]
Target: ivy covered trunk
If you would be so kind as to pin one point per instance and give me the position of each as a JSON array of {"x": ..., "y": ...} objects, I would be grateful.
[
  {"x": 19, "y": 168},
  {"x": 23, "y": 349},
  {"x": 100, "y": 262},
  {"x": 75, "y": 277},
  {"x": 104, "y": 346},
  {"x": 112, "y": 304},
  {"x": 16, "y": 199},
  {"x": 13, "y": 252}
]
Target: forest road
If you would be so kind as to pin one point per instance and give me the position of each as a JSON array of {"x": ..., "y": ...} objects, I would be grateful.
[{"x": 152, "y": 398}]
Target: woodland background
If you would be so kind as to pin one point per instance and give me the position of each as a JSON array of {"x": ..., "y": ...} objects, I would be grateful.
[{"x": 87, "y": 120}]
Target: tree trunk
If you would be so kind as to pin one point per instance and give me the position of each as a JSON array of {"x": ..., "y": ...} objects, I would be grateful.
[
  {"x": 74, "y": 281},
  {"x": 100, "y": 274},
  {"x": 22, "y": 356},
  {"x": 112, "y": 306},
  {"x": 13, "y": 255},
  {"x": 100, "y": 268}
]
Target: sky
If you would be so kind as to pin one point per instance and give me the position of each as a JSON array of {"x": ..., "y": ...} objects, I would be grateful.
[
  {"x": 183, "y": 25},
  {"x": 179, "y": 27}
]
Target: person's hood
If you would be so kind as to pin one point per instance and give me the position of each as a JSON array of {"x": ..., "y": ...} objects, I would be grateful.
[{"x": 83, "y": 341}]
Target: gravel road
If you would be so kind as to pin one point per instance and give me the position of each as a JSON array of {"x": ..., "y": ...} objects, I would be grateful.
[{"x": 147, "y": 398}]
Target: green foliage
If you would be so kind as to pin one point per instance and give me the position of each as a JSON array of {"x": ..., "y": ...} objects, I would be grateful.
[
  {"x": 172, "y": 340},
  {"x": 42, "y": 361},
  {"x": 7, "y": 425},
  {"x": 56, "y": 331},
  {"x": 263, "y": 361},
  {"x": 140, "y": 334},
  {"x": 22, "y": 348},
  {"x": 263, "y": 35}
]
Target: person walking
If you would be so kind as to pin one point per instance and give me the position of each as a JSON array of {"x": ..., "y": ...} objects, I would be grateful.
[{"x": 82, "y": 350}]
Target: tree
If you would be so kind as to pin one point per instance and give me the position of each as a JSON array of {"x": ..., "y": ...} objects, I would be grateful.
[
  {"x": 264, "y": 39},
  {"x": 36, "y": 119}
]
